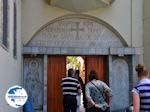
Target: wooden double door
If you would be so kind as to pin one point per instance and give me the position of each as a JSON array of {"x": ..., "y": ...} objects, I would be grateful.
[{"x": 57, "y": 70}]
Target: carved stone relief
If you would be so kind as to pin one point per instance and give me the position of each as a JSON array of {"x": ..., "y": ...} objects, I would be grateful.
[
  {"x": 76, "y": 32},
  {"x": 119, "y": 82},
  {"x": 33, "y": 81},
  {"x": 79, "y": 6}
]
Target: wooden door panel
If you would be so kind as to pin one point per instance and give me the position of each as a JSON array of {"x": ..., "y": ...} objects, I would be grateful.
[
  {"x": 97, "y": 63},
  {"x": 56, "y": 71}
]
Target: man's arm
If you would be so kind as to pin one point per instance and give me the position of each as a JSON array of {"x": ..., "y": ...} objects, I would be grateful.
[
  {"x": 88, "y": 97},
  {"x": 79, "y": 88},
  {"x": 108, "y": 92}
]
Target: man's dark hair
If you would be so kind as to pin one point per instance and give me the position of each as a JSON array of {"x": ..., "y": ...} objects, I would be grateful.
[
  {"x": 92, "y": 75},
  {"x": 70, "y": 72}
]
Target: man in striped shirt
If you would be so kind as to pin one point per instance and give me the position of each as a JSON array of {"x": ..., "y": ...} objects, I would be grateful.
[{"x": 70, "y": 89}]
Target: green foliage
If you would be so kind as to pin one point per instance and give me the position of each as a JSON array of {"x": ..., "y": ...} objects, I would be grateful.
[{"x": 72, "y": 60}]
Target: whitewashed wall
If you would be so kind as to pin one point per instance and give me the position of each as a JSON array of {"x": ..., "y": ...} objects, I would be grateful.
[
  {"x": 124, "y": 15},
  {"x": 10, "y": 68},
  {"x": 146, "y": 33}
]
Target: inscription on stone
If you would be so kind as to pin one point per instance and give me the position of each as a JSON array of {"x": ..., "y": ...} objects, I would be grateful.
[{"x": 76, "y": 32}]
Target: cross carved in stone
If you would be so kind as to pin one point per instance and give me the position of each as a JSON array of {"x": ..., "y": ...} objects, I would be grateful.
[{"x": 77, "y": 29}]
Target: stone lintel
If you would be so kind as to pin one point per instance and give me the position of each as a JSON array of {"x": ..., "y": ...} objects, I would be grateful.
[
  {"x": 82, "y": 51},
  {"x": 126, "y": 51}
]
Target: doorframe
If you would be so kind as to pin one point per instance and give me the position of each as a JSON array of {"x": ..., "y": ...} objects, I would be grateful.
[
  {"x": 45, "y": 83},
  {"x": 46, "y": 72},
  {"x": 135, "y": 59}
]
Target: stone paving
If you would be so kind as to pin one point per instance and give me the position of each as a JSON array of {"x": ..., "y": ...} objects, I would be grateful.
[{"x": 82, "y": 109}]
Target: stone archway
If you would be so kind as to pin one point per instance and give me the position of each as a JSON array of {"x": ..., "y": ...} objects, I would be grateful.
[{"x": 78, "y": 35}]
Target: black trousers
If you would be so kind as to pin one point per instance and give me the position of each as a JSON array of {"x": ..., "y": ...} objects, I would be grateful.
[
  {"x": 70, "y": 103},
  {"x": 93, "y": 109}
]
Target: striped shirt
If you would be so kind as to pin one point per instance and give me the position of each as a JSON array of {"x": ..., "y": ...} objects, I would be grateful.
[
  {"x": 143, "y": 89},
  {"x": 70, "y": 86}
]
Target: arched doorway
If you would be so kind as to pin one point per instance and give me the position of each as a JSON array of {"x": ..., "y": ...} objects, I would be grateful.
[{"x": 77, "y": 35}]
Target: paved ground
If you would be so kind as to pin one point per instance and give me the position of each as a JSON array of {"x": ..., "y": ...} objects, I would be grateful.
[{"x": 82, "y": 108}]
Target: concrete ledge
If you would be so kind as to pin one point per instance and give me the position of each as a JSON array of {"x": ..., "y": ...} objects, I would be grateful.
[
  {"x": 82, "y": 51},
  {"x": 126, "y": 51}
]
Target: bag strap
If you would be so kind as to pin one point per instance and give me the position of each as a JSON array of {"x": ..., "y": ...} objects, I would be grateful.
[{"x": 98, "y": 90}]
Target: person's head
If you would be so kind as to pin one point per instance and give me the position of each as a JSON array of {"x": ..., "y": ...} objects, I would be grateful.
[
  {"x": 141, "y": 72},
  {"x": 92, "y": 75},
  {"x": 70, "y": 72}
]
